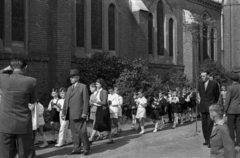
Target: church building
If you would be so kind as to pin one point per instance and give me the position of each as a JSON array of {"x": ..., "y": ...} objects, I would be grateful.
[{"x": 54, "y": 32}]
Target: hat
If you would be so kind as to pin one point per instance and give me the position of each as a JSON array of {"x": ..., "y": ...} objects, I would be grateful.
[
  {"x": 233, "y": 76},
  {"x": 74, "y": 72}
]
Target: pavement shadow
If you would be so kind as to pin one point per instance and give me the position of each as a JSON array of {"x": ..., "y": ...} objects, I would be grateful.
[{"x": 57, "y": 152}]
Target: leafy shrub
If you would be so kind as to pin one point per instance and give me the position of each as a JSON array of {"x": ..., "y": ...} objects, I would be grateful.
[
  {"x": 100, "y": 65},
  {"x": 215, "y": 69}
]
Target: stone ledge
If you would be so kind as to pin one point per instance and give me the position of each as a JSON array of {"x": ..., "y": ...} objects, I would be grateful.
[
  {"x": 31, "y": 58},
  {"x": 209, "y": 4},
  {"x": 165, "y": 66}
]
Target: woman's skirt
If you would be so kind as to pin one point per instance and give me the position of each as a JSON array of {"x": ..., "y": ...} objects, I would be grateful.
[{"x": 103, "y": 121}]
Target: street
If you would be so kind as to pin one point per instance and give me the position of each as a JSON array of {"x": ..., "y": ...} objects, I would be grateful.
[{"x": 181, "y": 142}]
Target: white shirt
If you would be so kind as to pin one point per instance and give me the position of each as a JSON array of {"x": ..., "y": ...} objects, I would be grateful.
[
  {"x": 61, "y": 104},
  {"x": 120, "y": 100},
  {"x": 206, "y": 84},
  {"x": 115, "y": 101},
  {"x": 141, "y": 102},
  {"x": 113, "y": 98}
]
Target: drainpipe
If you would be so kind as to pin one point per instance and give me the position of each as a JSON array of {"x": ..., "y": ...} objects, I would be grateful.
[{"x": 222, "y": 34}]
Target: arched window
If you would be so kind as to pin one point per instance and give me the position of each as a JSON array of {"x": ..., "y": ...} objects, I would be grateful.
[
  {"x": 1, "y": 18},
  {"x": 150, "y": 34},
  {"x": 212, "y": 44},
  {"x": 111, "y": 27},
  {"x": 160, "y": 27},
  {"x": 96, "y": 18},
  {"x": 171, "y": 37},
  {"x": 18, "y": 20},
  {"x": 80, "y": 21},
  {"x": 205, "y": 39}
]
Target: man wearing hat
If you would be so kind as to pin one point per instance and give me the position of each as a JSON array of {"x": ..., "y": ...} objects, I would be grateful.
[
  {"x": 232, "y": 107},
  {"x": 75, "y": 110}
]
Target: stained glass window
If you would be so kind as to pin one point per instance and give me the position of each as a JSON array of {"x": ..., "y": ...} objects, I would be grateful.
[
  {"x": 212, "y": 44},
  {"x": 160, "y": 26},
  {"x": 150, "y": 33},
  {"x": 18, "y": 20},
  {"x": 1, "y": 18},
  {"x": 96, "y": 24},
  {"x": 111, "y": 26},
  {"x": 80, "y": 23},
  {"x": 171, "y": 37}
]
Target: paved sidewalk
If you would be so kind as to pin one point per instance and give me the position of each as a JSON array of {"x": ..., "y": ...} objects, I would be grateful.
[{"x": 182, "y": 142}]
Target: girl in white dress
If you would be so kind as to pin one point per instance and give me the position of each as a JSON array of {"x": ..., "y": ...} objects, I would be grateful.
[
  {"x": 41, "y": 123},
  {"x": 64, "y": 136},
  {"x": 141, "y": 110}
]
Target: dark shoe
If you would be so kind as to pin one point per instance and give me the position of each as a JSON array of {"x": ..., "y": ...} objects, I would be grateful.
[
  {"x": 90, "y": 142},
  {"x": 205, "y": 143},
  {"x": 74, "y": 153},
  {"x": 86, "y": 152},
  {"x": 111, "y": 142},
  {"x": 209, "y": 146},
  {"x": 52, "y": 142}
]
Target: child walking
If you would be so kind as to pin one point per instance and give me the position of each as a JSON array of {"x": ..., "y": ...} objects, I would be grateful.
[
  {"x": 141, "y": 111},
  {"x": 41, "y": 123},
  {"x": 54, "y": 109},
  {"x": 64, "y": 136}
]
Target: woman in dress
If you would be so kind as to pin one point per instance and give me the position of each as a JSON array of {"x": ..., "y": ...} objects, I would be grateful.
[
  {"x": 93, "y": 110},
  {"x": 54, "y": 109},
  {"x": 103, "y": 121}
]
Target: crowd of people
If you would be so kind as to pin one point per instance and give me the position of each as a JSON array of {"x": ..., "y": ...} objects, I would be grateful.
[{"x": 22, "y": 115}]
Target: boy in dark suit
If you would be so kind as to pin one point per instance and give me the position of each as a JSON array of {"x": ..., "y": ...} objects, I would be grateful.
[
  {"x": 222, "y": 145},
  {"x": 209, "y": 94}
]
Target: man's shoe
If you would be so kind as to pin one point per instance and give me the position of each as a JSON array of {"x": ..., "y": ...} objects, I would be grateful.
[
  {"x": 209, "y": 146},
  {"x": 205, "y": 143},
  {"x": 86, "y": 152},
  {"x": 110, "y": 142},
  {"x": 74, "y": 153}
]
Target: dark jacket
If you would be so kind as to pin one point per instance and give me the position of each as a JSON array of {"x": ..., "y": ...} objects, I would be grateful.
[
  {"x": 208, "y": 96},
  {"x": 222, "y": 145},
  {"x": 18, "y": 91},
  {"x": 232, "y": 103},
  {"x": 76, "y": 102}
]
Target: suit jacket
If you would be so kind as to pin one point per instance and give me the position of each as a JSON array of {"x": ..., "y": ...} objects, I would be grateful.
[
  {"x": 222, "y": 145},
  {"x": 18, "y": 91},
  {"x": 232, "y": 103},
  {"x": 76, "y": 102},
  {"x": 208, "y": 96}
]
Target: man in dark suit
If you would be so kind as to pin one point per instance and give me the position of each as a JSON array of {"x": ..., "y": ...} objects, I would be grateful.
[
  {"x": 232, "y": 107},
  {"x": 18, "y": 90},
  {"x": 209, "y": 94},
  {"x": 76, "y": 109}
]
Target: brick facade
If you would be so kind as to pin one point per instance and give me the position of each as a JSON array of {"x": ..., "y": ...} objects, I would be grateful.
[{"x": 50, "y": 37}]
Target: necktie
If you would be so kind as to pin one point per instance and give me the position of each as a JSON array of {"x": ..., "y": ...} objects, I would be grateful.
[{"x": 73, "y": 87}]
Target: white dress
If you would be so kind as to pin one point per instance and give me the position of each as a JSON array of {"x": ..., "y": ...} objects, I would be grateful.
[
  {"x": 40, "y": 108},
  {"x": 141, "y": 111}
]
